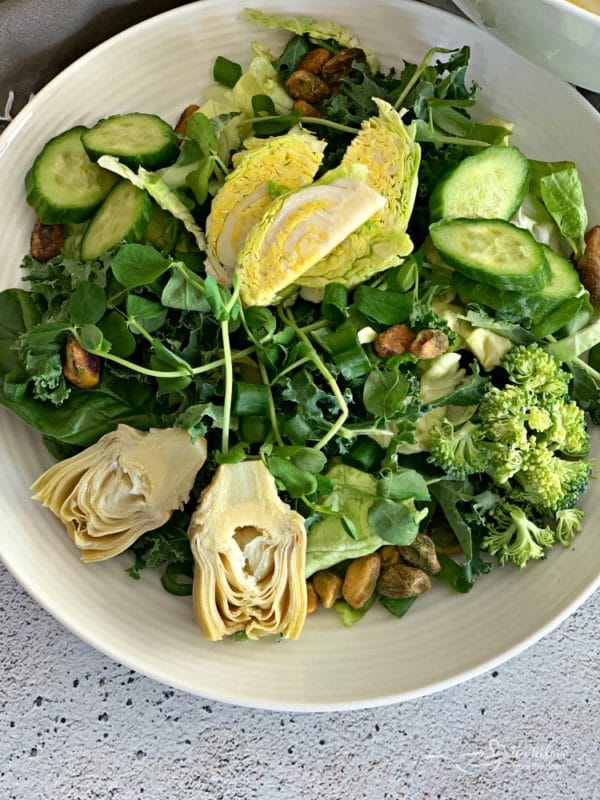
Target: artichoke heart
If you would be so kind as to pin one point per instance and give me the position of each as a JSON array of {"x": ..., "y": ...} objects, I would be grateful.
[
  {"x": 249, "y": 553},
  {"x": 291, "y": 161},
  {"x": 388, "y": 148},
  {"x": 126, "y": 484},
  {"x": 299, "y": 229}
]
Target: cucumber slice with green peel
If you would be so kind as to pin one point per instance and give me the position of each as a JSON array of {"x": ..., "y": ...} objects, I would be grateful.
[
  {"x": 63, "y": 185},
  {"x": 492, "y": 251},
  {"x": 122, "y": 217},
  {"x": 563, "y": 285},
  {"x": 163, "y": 230},
  {"x": 488, "y": 185},
  {"x": 576, "y": 310},
  {"x": 137, "y": 140}
]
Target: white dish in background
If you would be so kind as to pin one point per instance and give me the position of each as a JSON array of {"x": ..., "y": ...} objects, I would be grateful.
[
  {"x": 160, "y": 66},
  {"x": 562, "y": 36}
]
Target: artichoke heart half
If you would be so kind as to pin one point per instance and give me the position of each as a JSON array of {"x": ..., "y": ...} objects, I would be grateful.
[
  {"x": 300, "y": 228},
  {"x": 249, "y": 552},
  {"x": 388, "y": 148},
  {"x": 291, "y": 161},
  {"x": 126, "y": 484}
]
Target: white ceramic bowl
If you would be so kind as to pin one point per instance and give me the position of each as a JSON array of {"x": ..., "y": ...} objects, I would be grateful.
[
  {"x": 562, "y": 36},
  {"x": 160, "y": 66}
]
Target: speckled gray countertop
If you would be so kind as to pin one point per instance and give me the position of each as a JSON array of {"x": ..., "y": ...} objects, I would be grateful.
[{"x": 76, "y": 726}]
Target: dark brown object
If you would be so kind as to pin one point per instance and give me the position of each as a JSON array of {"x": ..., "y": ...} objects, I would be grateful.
[
  {"x": 80, "y": 368},
  {"x": 46, "y": 241},
  {"x": 394, "y": 341},
  {"x": 306, "y": 109},
  {"x": 182, "y": 122},
  {"x": 589, "y": 265},
  {"x": 340, "y": 65},
  {"x": 303, "y": 85},
  {"x": 421, "y": 554},
  {"x": 429, "y": 343},
  {"x": 400, "y": 580},
  {"x": 314, "y": 60},
  {"x": 361, "y": 579}
]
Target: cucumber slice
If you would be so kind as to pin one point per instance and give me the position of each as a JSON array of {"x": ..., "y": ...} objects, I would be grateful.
[
  {"x": 492, "y": 251},
  {"x": 489, "y": 185},
  {"x": 567, "y": 318},
  {"x": 137, "y": 140},
  {"x": 563, "y": 285},
  {"x": 163, "y": 230},
  {"x": 122, "y": 217},
  {"x": 63, "y": 185}
]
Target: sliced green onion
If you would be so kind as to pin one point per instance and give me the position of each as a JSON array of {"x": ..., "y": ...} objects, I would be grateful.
[
  {"x": 335, "y": 303},
  {"x": 297, "y": 430},
  {"x": 365, "y": 453},
  {"x": 177, "y": 579},
  {"x": 254, "y": 429},
  {"x": 226, "y": 72},
  {"x": 250, "y": 399}
]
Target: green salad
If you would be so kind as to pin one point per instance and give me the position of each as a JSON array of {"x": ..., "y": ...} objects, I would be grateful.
[{"x": 319, "y": 343}]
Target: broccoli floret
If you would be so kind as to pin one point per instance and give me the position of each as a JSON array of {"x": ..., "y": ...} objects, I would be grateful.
[
  {"x": 503, "y": 461},
  {"x": 568, "y": 525},
  {"x": 458, "y": 450},
  {"x": 539, "y": 372},
  {"x": 515, "y": 536},
  {"x": 567, "y": 431},
  {"x": 548, "y": 482},
  {"x": 539, "y": 419},
  {"x": 512, "y": 402}
]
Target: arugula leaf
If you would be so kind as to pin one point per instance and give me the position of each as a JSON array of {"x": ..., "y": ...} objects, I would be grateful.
[{"x": 294, "y": 51}]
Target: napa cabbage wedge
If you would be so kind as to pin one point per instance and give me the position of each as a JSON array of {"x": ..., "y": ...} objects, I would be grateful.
[
  {"x": 388, "y": 149},
  {"x": 290, "y": 161},
  {"x": 301, "y": 228}
]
